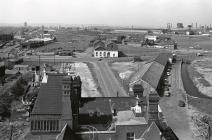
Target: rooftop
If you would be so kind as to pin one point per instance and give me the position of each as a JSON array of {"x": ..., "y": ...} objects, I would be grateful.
[
  {"x": 49, "y": 99},
  {"x": 153, "y": 74},
  {"x": 106, "y": 46},
  {"x": 128, "y": 117},
  {"x": 152, "y": 133},
  {"x": 163, "y": 58}
]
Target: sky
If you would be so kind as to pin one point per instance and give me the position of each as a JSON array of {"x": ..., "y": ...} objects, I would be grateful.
[{"x": 146, "y": 13}]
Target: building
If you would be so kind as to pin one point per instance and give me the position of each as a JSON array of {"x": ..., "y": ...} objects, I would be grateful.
[
  {"x": 154, "y": 76},
  {"x": 2, "y": 73},
  {"x": 61, "y": 113},
  {"x": 103, "y": 50},
  {"x": 180, "y": 25},
  {"x": 6, "y": 37},
  {"x": 151, "y": 37},
  {"x": 21, "y": 68}
]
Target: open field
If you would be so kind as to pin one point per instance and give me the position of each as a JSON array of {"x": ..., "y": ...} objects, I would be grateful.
[
  {"x": 185, "y": 42},
  {"x": 144, "y": 53},
  {"x": 201, "y": 73}
]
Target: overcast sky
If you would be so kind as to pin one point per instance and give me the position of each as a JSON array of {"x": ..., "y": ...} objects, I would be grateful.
[{"x": 149, "y": 13}]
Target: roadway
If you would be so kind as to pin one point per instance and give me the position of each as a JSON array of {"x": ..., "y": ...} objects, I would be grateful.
[
  {"x": 177, "y": 117},
  {"x": 107, "y": 81}
]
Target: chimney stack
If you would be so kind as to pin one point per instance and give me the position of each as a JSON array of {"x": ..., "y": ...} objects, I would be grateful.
[{"x": 75, "y": 100}]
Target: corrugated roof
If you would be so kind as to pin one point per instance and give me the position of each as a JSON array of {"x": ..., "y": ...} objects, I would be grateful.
[
  {"x": 163, "y": 58},
  {"x": 153, "y": 74},
  {"x": 49, "y": 97}
]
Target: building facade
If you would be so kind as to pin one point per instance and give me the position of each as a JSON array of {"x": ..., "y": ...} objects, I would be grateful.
[{"x": 103, "y": 50}]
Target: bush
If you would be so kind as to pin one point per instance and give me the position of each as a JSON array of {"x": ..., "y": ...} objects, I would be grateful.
[
  {"x": 18, "y": 89},
  {"x": 181, "y": 103}
]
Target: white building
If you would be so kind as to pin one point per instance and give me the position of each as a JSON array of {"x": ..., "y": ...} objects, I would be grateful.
[
  {"x": 151, "y": 37},
  {"x": 103, "y": 50}
]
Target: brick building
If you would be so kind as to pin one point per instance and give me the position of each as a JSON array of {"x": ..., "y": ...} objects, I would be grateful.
[
  {"x": 103, "y": 49},
  {"x": 61, "y": 113}
]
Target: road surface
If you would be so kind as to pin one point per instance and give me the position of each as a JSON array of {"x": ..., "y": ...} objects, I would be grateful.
[
  {"x": 108, "y": 82},
  {"x": 177, "y": 117}
]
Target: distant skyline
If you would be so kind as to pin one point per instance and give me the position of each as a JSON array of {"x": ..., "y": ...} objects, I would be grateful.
[{"x": 139, "y": 13}]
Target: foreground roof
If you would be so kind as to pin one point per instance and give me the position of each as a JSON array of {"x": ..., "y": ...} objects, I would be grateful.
[
  {"x": 152, "y": 133},
  {"x": 49, "y": 97}
]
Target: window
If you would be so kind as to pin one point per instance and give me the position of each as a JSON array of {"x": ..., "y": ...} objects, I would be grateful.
[
  {"x": 130, "y": 136},
  {"x": 96, "y": 53},
  {"x": 100, "y": 54}
]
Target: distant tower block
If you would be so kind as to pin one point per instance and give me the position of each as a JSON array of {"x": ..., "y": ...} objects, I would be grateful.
[
  {"x": 42, "y": 31},
  {"x": 25, "y": 24}
]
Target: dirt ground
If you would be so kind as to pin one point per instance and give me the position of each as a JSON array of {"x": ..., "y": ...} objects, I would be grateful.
[
  {"x": 125, "y": 69},
  {"x": 89, "y": 85},
  {"x": 201, "y": 73}
]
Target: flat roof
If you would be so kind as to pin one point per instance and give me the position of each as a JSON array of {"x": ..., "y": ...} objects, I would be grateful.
[{"x": 129, "y": 118}]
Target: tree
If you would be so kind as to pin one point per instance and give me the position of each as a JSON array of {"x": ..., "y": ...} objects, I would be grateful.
[
  {"x": 17, "y": 89},
  {"x": 150, "y": 32}
]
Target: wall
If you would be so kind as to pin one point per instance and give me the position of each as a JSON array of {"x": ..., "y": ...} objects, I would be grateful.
[
  {"x": 119, "y": 134},
  {"x": 105, "y": 54}
]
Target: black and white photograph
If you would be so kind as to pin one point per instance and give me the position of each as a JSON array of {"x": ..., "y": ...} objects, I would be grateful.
[{"x": 105, "y": 70}]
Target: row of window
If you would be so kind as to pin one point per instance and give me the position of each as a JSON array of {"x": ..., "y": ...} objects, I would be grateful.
[
  {"x": 66, "y": 86},
  {"x": 45, "y": 125},
  {"x": 66, "y": 92},
  {"x": 104, "y": 54},
  {"x": 130, "y": 136}
]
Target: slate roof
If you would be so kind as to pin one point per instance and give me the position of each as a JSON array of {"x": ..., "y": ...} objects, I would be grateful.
[
  {"x": 66, "y": 134},
  {"x": 103, "y": 104},
  {"x": 95, "y": 105},
  {"x": 153, "y": 74},
  {"x": 152, "y": 133},
  {"x": 49, "y": 97},
  {"x": 109, "y": 47},
  {"x": 112, "y": 47},
  {"x": 163, "y": 58}
]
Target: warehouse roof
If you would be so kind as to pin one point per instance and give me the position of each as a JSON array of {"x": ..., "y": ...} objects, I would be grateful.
[
  {"x": 163, "y": 58},
  {"x": 153, "y": 74}
]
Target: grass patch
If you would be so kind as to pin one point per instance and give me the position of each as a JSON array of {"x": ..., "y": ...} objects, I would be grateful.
[
  {"x": 194, "y": 74},
  {"x": 202, "y": 104}
]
